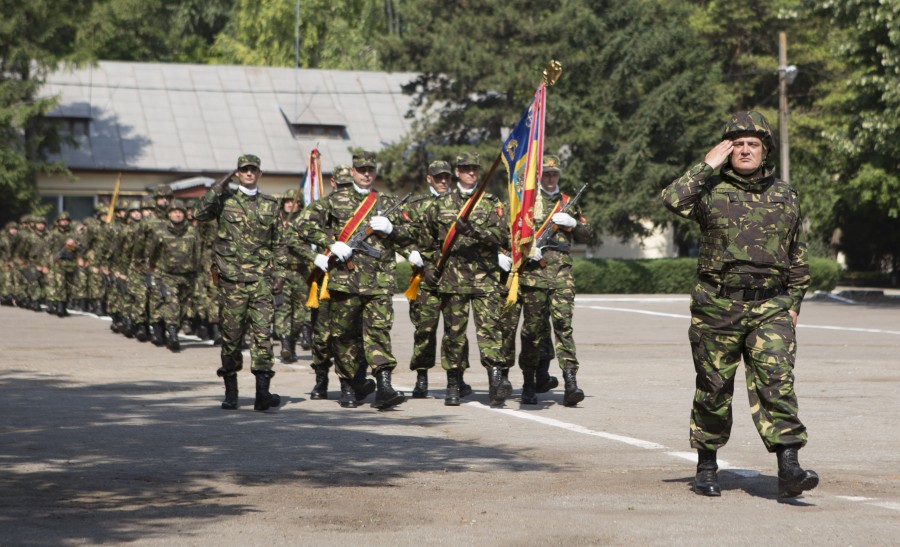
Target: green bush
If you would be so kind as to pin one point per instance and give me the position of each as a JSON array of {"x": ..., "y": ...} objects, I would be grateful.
[{"x": 825, "y": 274}]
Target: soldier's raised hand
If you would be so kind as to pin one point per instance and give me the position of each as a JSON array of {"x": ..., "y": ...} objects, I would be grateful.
[
  {"x": 220, "y": 185},
  {"x": 716, "y": 157}
]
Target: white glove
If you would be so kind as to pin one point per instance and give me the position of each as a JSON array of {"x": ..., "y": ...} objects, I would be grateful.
[
  {"x": 416, "y": 259},
  {"x": 381, "y": 224},
  {"x": 321, "y": 262},
  {"x": 536, "y": 254},
  {"x": 504, "y": 261},
  {"x": 341, "y": 250},
  {"x": 564, "y": 219}
]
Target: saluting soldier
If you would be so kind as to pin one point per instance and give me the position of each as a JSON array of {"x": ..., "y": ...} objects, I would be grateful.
[
  {"x": 752, "y": 274},
  {"x": 360, "y": 280},
  {"x": 245, "y": 250},
  {"x": 471, "y": 277}
]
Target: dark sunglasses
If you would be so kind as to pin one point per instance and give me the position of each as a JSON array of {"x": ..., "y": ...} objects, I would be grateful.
[{"x": 249, "y": 169}]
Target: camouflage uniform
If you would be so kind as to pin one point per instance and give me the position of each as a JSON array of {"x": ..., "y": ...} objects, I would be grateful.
[
  {"x": 292, "y": 316},
  {"x": 245, "y": 250},
  {"x": 174, "y": 259},
  {"x": 752, "y": 269},
  {"x": 63, "y": 277},
  {"x": 361, "y": 309},
  {"x": 471, "y": 276},
  {"x": 7, "y": 278}
]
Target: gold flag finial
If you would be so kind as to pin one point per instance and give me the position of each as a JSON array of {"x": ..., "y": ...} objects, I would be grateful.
[{"x": 552, "y": 72}]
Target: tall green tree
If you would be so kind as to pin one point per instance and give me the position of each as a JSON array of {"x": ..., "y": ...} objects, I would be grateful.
[
  {"x": 630, "y": 112},
  {"x": 34, "y": 37},
  {"x": 335, "y": 34}
]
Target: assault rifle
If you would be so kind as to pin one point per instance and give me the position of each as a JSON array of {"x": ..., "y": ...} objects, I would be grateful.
[
  {"x": 358, "y": 243},
  {"x": 544, "y": 240}
]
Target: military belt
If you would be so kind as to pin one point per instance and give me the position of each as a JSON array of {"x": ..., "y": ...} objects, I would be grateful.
[{"x": 742, "y": 295}]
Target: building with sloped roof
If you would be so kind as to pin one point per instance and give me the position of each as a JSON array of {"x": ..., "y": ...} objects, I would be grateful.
[{"x": 186, "y": 124}]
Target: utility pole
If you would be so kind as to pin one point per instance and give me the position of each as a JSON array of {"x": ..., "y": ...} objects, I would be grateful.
[{"x": 786, "y": 75}]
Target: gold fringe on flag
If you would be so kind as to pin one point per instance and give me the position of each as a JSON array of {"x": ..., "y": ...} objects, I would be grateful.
[
  {"x": 513, "y": 285},
  {"x": 325, "y": 295},
  {"x": 312, "y": 301},
  {"x": 413, "y": 291}
]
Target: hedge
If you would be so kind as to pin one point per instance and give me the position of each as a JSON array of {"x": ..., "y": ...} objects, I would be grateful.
[{"x": 650, "y": 276}]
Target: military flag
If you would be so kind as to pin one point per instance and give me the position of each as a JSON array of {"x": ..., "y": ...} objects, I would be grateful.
[
  {"x": 312, "y": 183},
  {"x": 523, "y": 153}
]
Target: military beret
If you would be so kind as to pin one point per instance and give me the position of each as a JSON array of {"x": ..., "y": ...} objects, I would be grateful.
[
  {"x": 249, "y": 159},
  {"x": 551, "y": 164},
  {"x": 364, "y": 159},
  {"x": 439, "y": 166},
  {"x": 467, "y": 158}
]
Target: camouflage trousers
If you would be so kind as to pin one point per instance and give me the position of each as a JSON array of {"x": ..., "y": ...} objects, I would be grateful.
[
  {"x": 510, "y": 324},
  {"x": 487, "y": 308},
  {"x": 138, "y": 302},
  {"x": 62, "y": 283},
  {"x": 722, "y": 331},
  {"x": 321, "y": 334},
  {"x": 246, "y": 306},
  {"x": 542, "y": 309},
  {"x": 293, "y": 313},
  {"x": 176, "y": 291},
  {"x": 361, "y": 332},
  {"x": 205, "y": 302},
  {"x": 425, "y": 314}
]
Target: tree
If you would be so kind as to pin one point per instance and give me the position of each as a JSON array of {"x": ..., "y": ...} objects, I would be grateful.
[
  {"x": 334, "y": 34},
  {"x": 34, "y": 37},
  {"x": 628, "y": 115}
]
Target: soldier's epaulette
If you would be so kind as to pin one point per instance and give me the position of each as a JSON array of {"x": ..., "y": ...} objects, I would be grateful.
[{"x": 267, "y": 197}]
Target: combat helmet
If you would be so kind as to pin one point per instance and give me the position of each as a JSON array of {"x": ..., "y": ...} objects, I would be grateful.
[
  {"x": 750, "y": 123},
  {"x": 63, "y": 215},
  {"x": 133, "y": 205},
  {"x": 163, "y": 190},
  {"x": 178, "y": 204}
]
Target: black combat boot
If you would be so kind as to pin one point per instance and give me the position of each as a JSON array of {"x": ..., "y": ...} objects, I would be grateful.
[
  {"x": 231, "y": 393},
  {"x": 706, "y": 483},
  {"x": 215, "y": 334},
  {"x": 320, "y": 390},
  {"x": 306, "y": 336},
  {"x": 500, "y": 389},
  {"x": 529, "y": 396},
  {"x": 127, "y": 328},
  {"x": 386, "y": 396},
  {"x": 172, "y": 341},
  {"x": 793, "y": 479},
  {"x": 543, "y": 381},
  {"x": 464, "y": 389},
  {"x": 61, "y": 310},
  {"x": 158, "y": 336},
  {"x": 286, "y": 356},
  {"x": 452, "y": 397},
  {"x": 264, "y": 399},
  {"x": 142, "y": 332},
  {"x": 348, "y": 397},
  {"x": 201, "y": 330},
  {"x": 421, "y": 389},
  {"x": 362, "y": 386},
  {"x": 573, "y": 395}
]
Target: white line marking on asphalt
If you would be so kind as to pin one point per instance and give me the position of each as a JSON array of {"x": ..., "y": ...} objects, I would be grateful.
[
  {"x": 887, "y": 505},
  {"x": 571, "y": 427},
  {"x": 801, "y": 325},
  {"x": 854, "y": 498}
]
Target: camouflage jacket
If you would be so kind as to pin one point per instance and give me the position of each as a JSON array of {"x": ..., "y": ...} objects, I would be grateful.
[
  {"x": 175, "y": 250},
  {"x": 557, "y": 271},
  {"x": 472, "y": 265},
  {"x": 151, "y": 229},
  {"x": 246, "y": 242},
  {"x": 324, "y": 219},
  {"x": 294, "y": 255},
  {"x": 34, "y": 250},
  {"x": 122, "y": 253},
  {"x": 413, "y": 211},
  {"x": 750, "y": 233},
  {"x": 62, "y": 258}
]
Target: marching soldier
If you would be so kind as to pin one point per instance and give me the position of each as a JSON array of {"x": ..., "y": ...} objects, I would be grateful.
[
  {"x": 425, "y": 310},
  {"x": 291, "y": 314},
  {"x": 174, "y": 259},
  {"x": 752, "y": 274},
  {"x": 63, "y": 278},
  {"x": 547, "y": 290},
  {"x": 360, "y": 280},
  {"x": 245, "y": 250},
  {"x": 471, "y": 278}
]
